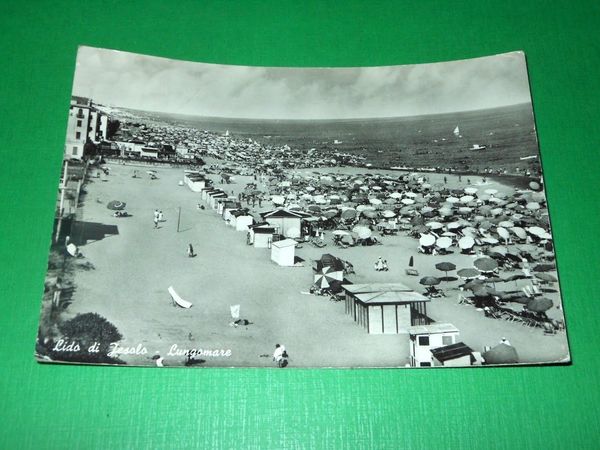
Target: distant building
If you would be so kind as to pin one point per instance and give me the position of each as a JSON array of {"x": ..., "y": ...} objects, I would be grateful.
[{"x": 85, "y": 124}]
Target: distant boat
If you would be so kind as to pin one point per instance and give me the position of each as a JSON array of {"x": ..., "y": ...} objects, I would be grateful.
[
  {"x": 478, "y": 147},
  {"x": 524, "y": 158},
  {"x": 227, "y": 133},
  {"x": 457, "y": 131},
  {"x": 337, "y": 142}
]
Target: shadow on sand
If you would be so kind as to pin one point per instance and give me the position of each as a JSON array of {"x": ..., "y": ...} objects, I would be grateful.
[{"x": 84, "y": 232}]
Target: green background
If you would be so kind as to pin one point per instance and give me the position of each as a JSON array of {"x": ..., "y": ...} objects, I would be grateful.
[{"x": 46, "y": 406}]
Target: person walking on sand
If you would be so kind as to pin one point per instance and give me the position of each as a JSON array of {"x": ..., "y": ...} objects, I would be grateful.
[
  {"x": 161, "y": 218},
  {"x": 190, "y": 251},
  {"x": 280, "y": 355},
  {"x": 155, "y": 221}
]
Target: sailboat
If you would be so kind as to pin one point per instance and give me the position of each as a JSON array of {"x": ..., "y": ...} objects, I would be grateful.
[
  {"x": 456, "y": 131},
  {"x": 227, "y": 133}
]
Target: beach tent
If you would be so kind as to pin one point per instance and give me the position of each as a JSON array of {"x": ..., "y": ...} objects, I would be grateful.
[{"x": 284, "y": 252}]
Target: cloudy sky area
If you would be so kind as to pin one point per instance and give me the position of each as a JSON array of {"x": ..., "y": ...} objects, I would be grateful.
[{"x": 159, "y": 84}]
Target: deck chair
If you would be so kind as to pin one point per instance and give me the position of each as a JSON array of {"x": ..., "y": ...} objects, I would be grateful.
[
  {"x": 413, "y": 272},
  {"x": 177, "y": 300}
]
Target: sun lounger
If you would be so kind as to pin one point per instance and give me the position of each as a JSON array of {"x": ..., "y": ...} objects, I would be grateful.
[
  {"x": 413, "y": 272},
  {"x": 177, "y": 300}
]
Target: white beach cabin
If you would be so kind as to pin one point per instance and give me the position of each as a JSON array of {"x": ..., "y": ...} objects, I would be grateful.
[
  {"x": 424, "y": 338},
  {"x": 284, "y": 252}
]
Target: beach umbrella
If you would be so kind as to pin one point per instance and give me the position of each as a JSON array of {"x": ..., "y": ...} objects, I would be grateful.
[
  {"x": 465, "y": 210},
  {"x": 388, "y": 214},
  {"x": 466, "y": 242},
  {"x": 376, "y": 188},
  {"x": 501, "y": 354},
  {"x": 362, "y": 232},
  {"x": 370, "y": 213},
  {"x": 452, "y": 200},
  {"x": 503, "y": 233},
  {"x": 445, "y": 212},
  {"x": 519, "y": 232},
  {"x": 396, "y": 195},
  {"x": 473, "y": 284},
  {"x": 330, "y": 213},
  {"x": 430, "y": 281},
  {"x": 340, "y": 233},
  {"x": 314, "y": 209},
  {"x": 466, "y": 199},
  {"x": 116, "y": 205},
  {"x": 540, "y": 304},
  {"x": 534, "y": 185},
  {"x": 506, "y": 224},
  {"x": 444, "y": 242},
  {"x": 349, "y": 214},
  {"x": 410, "y": 194},
  {"x": 544, "y": 267},
  {"x": 485, "y": 264},
  {"x": 470, "y": 190},
  {"x": 445, "y": 267},
  {"x": 498, "y": 249},
  {"x": 435, "y": 225},
  {"x": 278, "y": 199},
  {"x": 491, "y": 191},
  {"x": 453, "y": 226},
  {"x": 533, "y": 206},
  {"x": 407, "y": 201},
  {"x": 319, "y": 199},
  {"x": 546, "y": 277},
  {"x": 489, "y": 240},
  {"x": 427, "y": 240},
  {"x": 374, "y": 201},
  {"x": 389, "y": 201},
  {"x": 521, "y": 299},
  {"x": 536, "y": 231}
]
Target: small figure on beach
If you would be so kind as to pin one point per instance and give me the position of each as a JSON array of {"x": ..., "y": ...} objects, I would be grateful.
[
  {"x": 445, "y": 180},
  {"x": 155, "y": 221},
  {"x": 460, "y": 178},
  {"x": 504, "y": 341},
  {"x": 384, "y": 265},
  {"x": 280, "y": 355},
  {"x": 190, "y": 251},
  {"x": 379, "y": 264},
  {"x": 161, "y": 218}
]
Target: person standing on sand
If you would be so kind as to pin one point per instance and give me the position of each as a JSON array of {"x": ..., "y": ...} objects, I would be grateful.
[
  {"x": 190, "y": 251},
  {"x": 161, "y": 218},
  {"x": 155, "y": 222},
  {"x": 280, "y": 355}
]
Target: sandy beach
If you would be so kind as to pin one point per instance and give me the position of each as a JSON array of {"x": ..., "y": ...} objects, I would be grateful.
[{"x": 134, "y": 269}]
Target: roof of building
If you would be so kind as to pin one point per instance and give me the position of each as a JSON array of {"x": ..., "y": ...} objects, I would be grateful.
[
  {"x": 453, "y": 351},
  {"x": 82, "y": 101},
  {"x": 376, "y": 287},
  {"x": 282, "y": 212},
  {"x": 284, "y": 243},
  {"x": 434, "y": 328},
  {"x": 390, "y": 297}
]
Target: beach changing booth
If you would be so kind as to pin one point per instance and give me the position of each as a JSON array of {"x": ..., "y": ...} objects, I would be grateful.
[
  {"x": 426, "y": 338},
  {"x": 194, "y": 180},
  {"x": 385, "y": 308},
  {"x": 284, "y": 252},
  {"x": 260, "y": 235},
  {"x": 240, "y": 219},
  {"x": 288, "y": 223}
]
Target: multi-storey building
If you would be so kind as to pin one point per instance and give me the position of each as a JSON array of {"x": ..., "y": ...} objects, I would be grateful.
[{"x": 85, "y": 124}]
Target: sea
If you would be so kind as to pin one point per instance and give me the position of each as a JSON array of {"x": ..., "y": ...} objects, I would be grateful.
[{"x": 471, "y": 140}]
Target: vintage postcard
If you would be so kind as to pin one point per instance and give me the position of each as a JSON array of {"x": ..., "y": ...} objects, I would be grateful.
[{"x": 230, "y": 216}]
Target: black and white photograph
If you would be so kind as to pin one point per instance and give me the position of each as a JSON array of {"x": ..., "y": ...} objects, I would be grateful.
[{"x": 215, "y": 215}]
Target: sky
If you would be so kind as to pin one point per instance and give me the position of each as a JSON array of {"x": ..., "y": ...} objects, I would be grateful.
[{"x": 150, "y": 83}]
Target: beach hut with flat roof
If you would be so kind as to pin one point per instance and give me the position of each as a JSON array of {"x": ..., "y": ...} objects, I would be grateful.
[
  {"x": 194, "y": 180},
  {"x": 425, "y": 338},
  {"x": 385, "y": 308},
  {"x": 240, "y": 219},
  {"x": 284, "y": 252},
  {"x": 260, "y": 235},
  {"x": 214, "y": 197},
  {"x": 454, "y": 355}
]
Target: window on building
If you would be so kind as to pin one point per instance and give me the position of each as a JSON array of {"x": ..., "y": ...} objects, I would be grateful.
[
  {"x": 425, "y": 364},
  {"x": 447, "y": 340},
  {"x": 78, "y": 135},
  {"x": 424, "y": 341},
  {"x": 79, "y": 123},
  {"x": 74, "y": 150}
]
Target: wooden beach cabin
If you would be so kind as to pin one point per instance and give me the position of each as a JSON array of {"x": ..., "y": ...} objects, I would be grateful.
[
  {"x": 194, "y": 180},
  {"x": 288, "y": 223},
  {"x": 284, "y": 252},
  {"x": 241, "y": 220},
  {"x": 214, "y": 197},
  {"x": 260, "y": 235},
  {"x": 425, "y": 338},
  {"x": 385, "y": 308}
]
